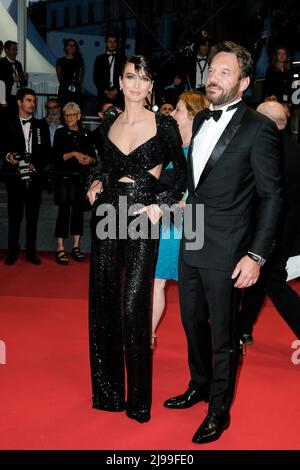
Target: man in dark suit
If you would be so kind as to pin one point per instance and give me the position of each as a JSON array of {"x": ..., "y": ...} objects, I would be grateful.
[
  {"x": 197, "y": 65},
  {"x": 11, "y": 73},
  {"x": 233, "y": 155},
  {"x": 272, "y": 281},
  {"x": 25, "y": 139},
  {"x": 107, "y": 70}
]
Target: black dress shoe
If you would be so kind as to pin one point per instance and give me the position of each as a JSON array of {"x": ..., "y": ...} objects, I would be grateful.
[
  {"x": 141, "y": 416},
  {"x": 11, "y": 259},
  {"x": 212, "y": 428},
  {"x": 33, "y": 259},
  {"x": 187, "y": 399}
]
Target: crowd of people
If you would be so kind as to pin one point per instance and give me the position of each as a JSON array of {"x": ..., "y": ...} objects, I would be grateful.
[{"x": 209, "y": 187}]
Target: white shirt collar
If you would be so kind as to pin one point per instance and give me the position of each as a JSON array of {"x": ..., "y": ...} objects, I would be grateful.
[
  {"x": 224, "y": 108},
  {"x": 11, "y": 61}
]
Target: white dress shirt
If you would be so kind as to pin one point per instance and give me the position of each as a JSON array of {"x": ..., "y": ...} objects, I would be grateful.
[
  {"x": 111, "y": 60},
  {"x": 16, "y": 85},
  {"x": 27, "y": 131},
  {"x": 207, "y": 138},
  {"x": 2, "y": 92},
  {"x": 201, "y": 71}
]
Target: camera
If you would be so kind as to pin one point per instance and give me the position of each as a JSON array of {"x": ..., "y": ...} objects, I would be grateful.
[
  {"x": 111, "y": 112},
  {"x": 24, "y": 167}
]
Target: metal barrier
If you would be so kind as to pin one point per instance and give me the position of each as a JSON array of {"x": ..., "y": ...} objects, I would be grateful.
[{"x": 90, "y": 122}]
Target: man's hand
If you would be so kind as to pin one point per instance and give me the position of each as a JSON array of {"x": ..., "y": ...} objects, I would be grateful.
[
  {"x": 10, "y": 159},
  {"x": 247, "y": 273}
]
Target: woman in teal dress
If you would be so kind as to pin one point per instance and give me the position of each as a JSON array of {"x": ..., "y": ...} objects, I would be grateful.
[{"x": 188, "y": 105}]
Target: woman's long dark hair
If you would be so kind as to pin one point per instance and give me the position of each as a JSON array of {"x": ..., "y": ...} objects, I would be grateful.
[
  {"x": 77, "y": 55},
  {"x": 287, "y": 64}
]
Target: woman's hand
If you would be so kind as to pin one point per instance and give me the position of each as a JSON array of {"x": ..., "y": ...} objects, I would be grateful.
[
  {"x": 80, "y": 157},
  {"x": 88, "y": 160},
  {"x": 96, "y": 188},
  {"x": 154, "y": 212}
]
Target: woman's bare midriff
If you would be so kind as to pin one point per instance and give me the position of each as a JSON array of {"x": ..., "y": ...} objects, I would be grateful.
[{"x": 154, "y": 172}]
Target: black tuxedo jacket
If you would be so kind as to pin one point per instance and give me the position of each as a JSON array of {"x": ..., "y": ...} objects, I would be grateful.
[
  {"x": 13, "y": 141},
  {"x": 245, "y": 161},
  {"x": 101, "y": 74},
  {"x": 6, "y": 74}
]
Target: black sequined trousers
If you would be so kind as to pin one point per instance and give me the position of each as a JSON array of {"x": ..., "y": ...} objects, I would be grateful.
[{"x": 121, "y": 277}]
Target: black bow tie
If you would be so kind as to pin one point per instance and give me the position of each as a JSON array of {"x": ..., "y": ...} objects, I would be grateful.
[
  {"x": 111, "y": 53},
  {"x": 214, "y": 114},
  {"x": 218, "y": 113},
  {"x": 26, "y": 121}
]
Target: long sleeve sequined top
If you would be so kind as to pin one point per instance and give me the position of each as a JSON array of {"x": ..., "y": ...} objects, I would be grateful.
[{"x": 164, "y": 147}]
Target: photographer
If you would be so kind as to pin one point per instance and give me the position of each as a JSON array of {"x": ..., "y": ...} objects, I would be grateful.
[
  {"x": 197, "y": 65},
  {"x": 25, "y": 148}
]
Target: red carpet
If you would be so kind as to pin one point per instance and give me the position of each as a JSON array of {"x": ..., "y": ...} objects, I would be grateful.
[{"x": 45, "y": 391}]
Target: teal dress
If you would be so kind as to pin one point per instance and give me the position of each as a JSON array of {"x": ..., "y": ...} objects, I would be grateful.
[{"x": 168, "y": 251}]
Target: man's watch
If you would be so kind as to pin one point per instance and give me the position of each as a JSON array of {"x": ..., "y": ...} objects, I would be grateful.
[{"x": 258, "y": 259}]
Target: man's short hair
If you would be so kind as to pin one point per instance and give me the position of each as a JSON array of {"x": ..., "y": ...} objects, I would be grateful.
[
  {"x": 111, "y": 35},
  {"x": 9, "y": 43},
  {"x": 22, "y": 92},
  {"x": 243, "y": 56}
]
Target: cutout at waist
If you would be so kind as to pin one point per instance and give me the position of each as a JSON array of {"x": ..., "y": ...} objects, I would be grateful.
[{"x": 125, "y": 180}]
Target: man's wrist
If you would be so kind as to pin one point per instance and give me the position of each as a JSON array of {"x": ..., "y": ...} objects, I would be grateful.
[{"x": 257, "y": 258}]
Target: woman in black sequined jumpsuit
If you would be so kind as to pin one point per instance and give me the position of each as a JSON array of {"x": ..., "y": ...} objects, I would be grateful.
[{"x": 136, "y": 144}]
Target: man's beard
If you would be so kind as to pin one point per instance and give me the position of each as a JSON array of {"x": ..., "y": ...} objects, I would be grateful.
[{"x": 223, "y": 98}]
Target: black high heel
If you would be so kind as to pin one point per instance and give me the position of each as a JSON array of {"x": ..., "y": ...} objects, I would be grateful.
[
  {"x": 77, "y": 255},
  {"x": 61, "y": 257},
  {"x": 141, "y": 414}
]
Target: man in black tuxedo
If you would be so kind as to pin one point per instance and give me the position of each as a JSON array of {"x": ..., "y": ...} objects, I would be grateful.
[
  {"x": 107, "y": 70},
  {"x": 11, "y": 73},
  {"x": 22, "y": 135},
  {"x": 197, "y": 65},
  {"x": 272, "y": 281},
  {"x": 233, "y": 155}
]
